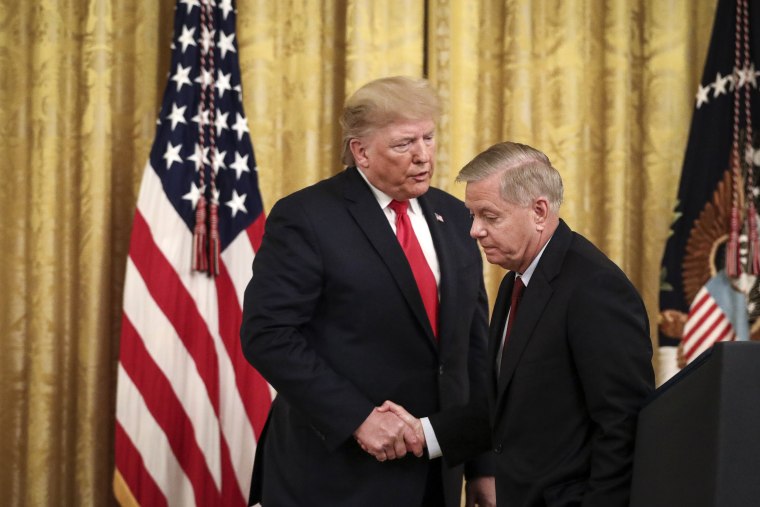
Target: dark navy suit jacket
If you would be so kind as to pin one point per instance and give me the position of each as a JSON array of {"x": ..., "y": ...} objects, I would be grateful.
[
  {"x": 333, "y": 320},
  {"x": 575, "y": 373}
]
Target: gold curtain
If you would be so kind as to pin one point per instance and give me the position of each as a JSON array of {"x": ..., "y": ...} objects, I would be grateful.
[{"x": 605, "y": 88}]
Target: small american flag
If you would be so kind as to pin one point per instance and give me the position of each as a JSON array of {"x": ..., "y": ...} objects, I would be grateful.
[
  {"x": 189, "y": 406},
  {"x": 717, "y": 314}
]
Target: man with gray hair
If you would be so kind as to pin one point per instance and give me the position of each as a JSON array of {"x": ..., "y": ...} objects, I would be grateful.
[{"x": 569, "y": 347}]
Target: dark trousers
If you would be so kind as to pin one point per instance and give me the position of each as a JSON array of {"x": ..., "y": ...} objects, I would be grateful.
[{"x": 433, "y": 486}]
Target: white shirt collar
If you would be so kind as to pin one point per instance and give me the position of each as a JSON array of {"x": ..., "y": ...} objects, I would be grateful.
[
  {"x": 532, "y": 267},
  {"x": 384, "y": 199}
]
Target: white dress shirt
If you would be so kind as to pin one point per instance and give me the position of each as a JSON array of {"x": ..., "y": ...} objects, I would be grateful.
[
  {"x": 419, "y": 224},
  {"x": 422, "y": 231},
  {"x": 525, "y": 277}
]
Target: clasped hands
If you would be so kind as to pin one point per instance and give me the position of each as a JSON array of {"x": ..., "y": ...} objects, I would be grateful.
[{"x": 389, "y": 432}]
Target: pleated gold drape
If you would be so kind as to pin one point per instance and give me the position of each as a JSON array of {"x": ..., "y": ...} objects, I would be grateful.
[{"x": 605, "y": 88}]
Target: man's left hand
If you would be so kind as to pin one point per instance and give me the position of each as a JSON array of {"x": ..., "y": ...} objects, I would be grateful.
[{"x": 481, "y": 492}]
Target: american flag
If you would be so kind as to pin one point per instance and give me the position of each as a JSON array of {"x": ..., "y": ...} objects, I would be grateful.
[
  {"x": 717, "y": 314},
  {"x": 189, "y": 406}
]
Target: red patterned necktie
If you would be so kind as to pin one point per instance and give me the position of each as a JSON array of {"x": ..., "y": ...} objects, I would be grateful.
[
  {"x": 420, "y": 268},
  {"x": 514, "y": 302}
]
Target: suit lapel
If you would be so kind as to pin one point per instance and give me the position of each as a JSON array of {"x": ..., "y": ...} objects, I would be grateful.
[
  {"x": 447, "y": 308},
  {"x": 364, "y": 208},
  {"x": 533, "y": 304},
  {"x": 496, "y": 330}
]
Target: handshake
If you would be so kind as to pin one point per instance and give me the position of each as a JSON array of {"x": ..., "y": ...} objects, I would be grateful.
[{"x": 389, "y": 432}]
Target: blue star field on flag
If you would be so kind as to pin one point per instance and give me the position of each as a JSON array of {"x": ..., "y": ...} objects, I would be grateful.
[{"x": 178, "y": 155}]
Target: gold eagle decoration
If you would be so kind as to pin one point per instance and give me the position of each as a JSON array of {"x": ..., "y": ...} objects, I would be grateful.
[{"x": 704, "y": 257}]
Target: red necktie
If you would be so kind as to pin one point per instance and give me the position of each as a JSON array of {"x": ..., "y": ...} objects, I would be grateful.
[
  {"x": 517, "y": 291},
  {"x": 514, "y": 302},
  {"x": 420, "y": 268}
]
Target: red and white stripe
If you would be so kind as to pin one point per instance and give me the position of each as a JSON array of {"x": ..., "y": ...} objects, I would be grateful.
[
  {"x": 189, "y": 406},
  {"x": 706, "y": 325}
]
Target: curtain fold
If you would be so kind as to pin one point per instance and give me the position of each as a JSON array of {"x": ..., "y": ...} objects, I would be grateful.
[{"x": 605, "y": 88}]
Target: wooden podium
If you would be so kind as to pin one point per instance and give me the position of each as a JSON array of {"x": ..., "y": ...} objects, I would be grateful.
[{"x": 698, "y": 439}]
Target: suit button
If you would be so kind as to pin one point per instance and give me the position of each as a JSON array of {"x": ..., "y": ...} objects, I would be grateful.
[
  {"x": 440, "y": 369},
  {"x": 497, "y": 449}
]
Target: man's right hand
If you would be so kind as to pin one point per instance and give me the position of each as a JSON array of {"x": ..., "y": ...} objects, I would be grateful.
[
  {"x": 412, "y": 422},
  {"x": 386, "y": 436}
]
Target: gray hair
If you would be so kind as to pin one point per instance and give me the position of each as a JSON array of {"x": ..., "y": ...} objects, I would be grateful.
[
  {"x": 383, "y": 101},
  {"x": 526, "y": 174}
]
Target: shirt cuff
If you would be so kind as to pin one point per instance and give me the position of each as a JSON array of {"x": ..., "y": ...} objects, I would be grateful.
[{"x": 433, "y": 448}]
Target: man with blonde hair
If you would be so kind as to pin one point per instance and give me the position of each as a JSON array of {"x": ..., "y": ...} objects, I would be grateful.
[
  {"x": 367, "y": 288},
  {"x": 569, "y": 348}
]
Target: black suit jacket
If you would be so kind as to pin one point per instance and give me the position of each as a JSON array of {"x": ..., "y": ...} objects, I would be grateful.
[
  {"x": 575, "y": 372},
  {"x": 333, "y": 320}
]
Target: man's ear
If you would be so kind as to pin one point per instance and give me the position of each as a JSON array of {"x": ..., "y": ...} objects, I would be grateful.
[
  {"x": 540, "y": 212},
  {"x": 359, "y": 151}
]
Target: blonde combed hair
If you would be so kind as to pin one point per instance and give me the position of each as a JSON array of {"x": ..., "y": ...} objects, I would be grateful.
[{"x": 382, "y": 102}]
